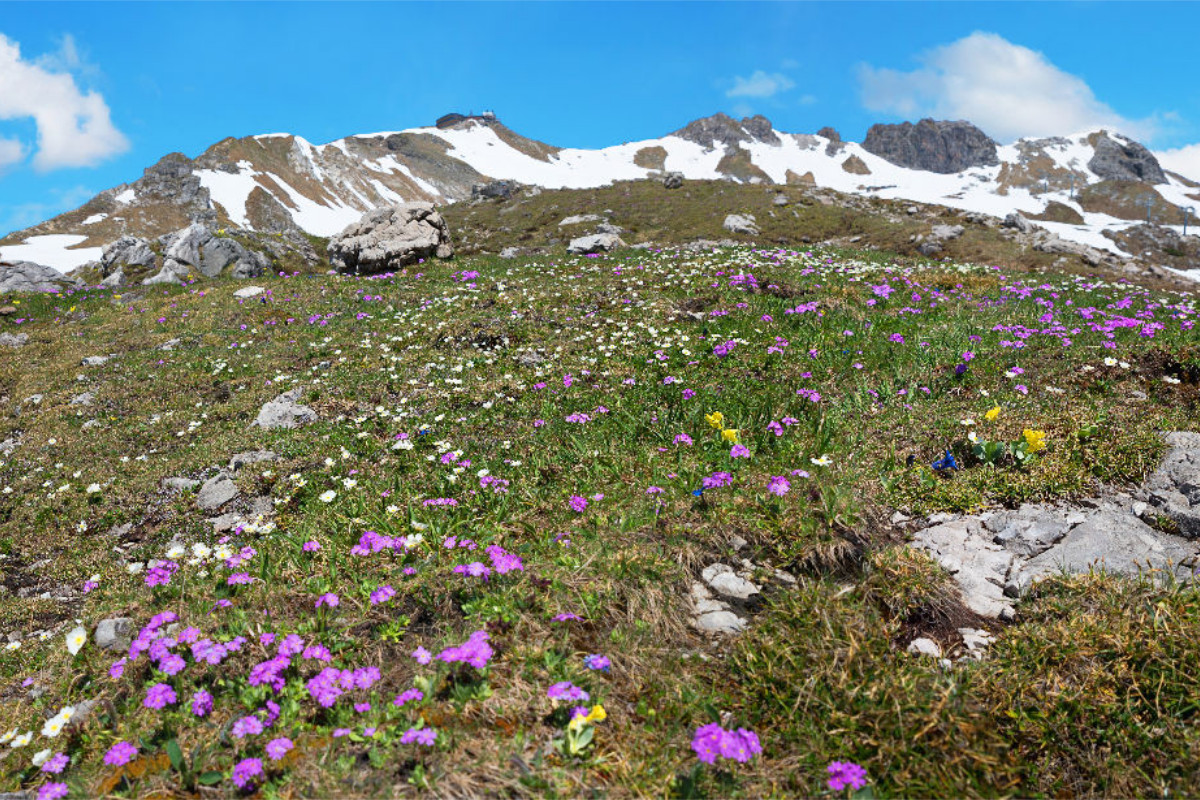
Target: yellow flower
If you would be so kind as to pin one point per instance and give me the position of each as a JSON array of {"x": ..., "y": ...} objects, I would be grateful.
[
  {"x": 716, "y": 419},
  {"x": 597, "y": 714},
  {"x": 730, "y": 435},
  {"x": 1035, "y": 440},
  {"x": 991, "y": 415}
]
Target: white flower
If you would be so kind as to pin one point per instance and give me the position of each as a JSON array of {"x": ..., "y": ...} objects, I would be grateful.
[
  {"x": 82, "y": 526},
  {"x": 22, "y": 740},
  {"x": 327, "y": 496},
  {"x": 823, "y": 461},
  {"x": 967, "y": 422},
  {"x": 403, "y": 444},
  {"x": 973, "y": 437},
  {"x": 1087, "y": 368},
  {"x": 93, "y": 488},
  {"x": 13, "y": 646},
  {"x": 1110, "y": 362},
  {"x": 76, "y": 639},
  {"x": 223, "y": 551},
  {"x": 175, "y": 552},
  {"x": 41, "y": 757},
  {"x": 349, "y": 483},
  {"x": 134, "y": 567},
  {"x": 419, "y": 526},
  {"x": 201, "y": 550},
  {"x": 412, "y": 540},
  {"x": 6, "y": 738},
  {"x": 1169, "y": 379},
  {"x": 392, "y": 509},
  {"x": 1124, "y": 364}
]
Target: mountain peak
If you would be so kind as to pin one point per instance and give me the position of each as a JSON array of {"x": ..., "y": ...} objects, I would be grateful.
[{"x": 720, "y": 128}]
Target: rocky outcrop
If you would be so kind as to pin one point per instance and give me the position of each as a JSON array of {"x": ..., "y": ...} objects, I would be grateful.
[
  {"x": 13, "y": 340},
  {"x": 197, "y": 248},
  {"x": 493, "y": 190},
  {"x": 835, "y": 144},
  {"x": 1123, "y": 160},
  {"x": 741, "y": 223},
  {"x": 1165, "y": 246},
  {"x": 128, "y": 251},
  {"x": 996, "y": 556},
  {"x": 25, "y": 276},
  {"x": 596, "y": 243},
  {"x": 855, "y": 166},
  {"x": 672, "y": 180},
  {"x": 285, "y": 411},
  {"x": 721, "y": 129},
  {"x": 388, "y": 239},
  {"x": 934, "y": 146}
]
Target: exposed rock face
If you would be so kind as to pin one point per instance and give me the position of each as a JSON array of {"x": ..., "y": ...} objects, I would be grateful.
[
  {"x": 934, "y": 146},
  {"x": 266, "y": 214},
  {"x": 1175, "y": 485},
  {"x": 25, "y": 276},
  {"x": 501, "y": 190},
  {"x": 196, "y": 247},
  {"x": 855, "y": 166},
  {"x": 1127, "y": 160},
  {"x": 388, "y": 239},
  {"x": 741, "y": 223},
  {"x": 172, "y": 181},
  {"x": 1018, "y": 222},
  {"x": 721, "y": 129},
  {"x": 596, "y": 243},
  {"x": 126, "y": 251}
]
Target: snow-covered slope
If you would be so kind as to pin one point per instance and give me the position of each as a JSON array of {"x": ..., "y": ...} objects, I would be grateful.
[{"x": 272, "y": 180}]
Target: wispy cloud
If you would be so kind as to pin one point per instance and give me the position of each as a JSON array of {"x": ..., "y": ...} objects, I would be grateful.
[
  {"x": 760, "y": 85},
  {"x": 74, "y": 127},
  {"x": 1007, "y": 90}
]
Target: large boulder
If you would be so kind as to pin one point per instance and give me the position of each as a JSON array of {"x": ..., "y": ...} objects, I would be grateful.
[
  {"x": 387, "y": 239},
  {"x": 596, "y": 243},
  {"x": 741, "y": 223},
  {"x": 26, "y": 276},
  {"x": 1124, "y": 160},
  {"x": 497, "y": 190},
  {"x": 127, "y": 251},
  {"x": 932, "y": 145},
  {"x": 197, "y": 249}
]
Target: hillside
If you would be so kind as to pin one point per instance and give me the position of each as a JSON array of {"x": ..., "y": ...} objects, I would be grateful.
[
  {"x": 649, "y": 523},
  {"x": 281, "y": 183}
]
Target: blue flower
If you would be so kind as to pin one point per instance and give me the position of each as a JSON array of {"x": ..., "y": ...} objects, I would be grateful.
[
  {"x": 946, "y": 462},
  {"x": 698, "y": 492}
]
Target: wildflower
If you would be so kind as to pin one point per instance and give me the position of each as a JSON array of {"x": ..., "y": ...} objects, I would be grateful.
[
  {"x": 56, "y": 764},
  {"x": 739, "y": 451},
  {"x": 475, "y": 651},
  {"x": 683, "y": 439},
  {"x": 973, "y": 437},
  {"x": 730, "y": 435},
  {"x": 311, "y": 546},
  {"x": 422, "y": 736},
  {"x": 328, "y": 599},
  {"x": 382, "y": 595},
  {"x": 823, "y": 461},
  {"x": 597, "y": 662},
  {"x": 582, "y": 716},
  {"x": 711, "y": 741},
  {"x": 325, "y": 497},
  {"x": 566, "y": 617},
  {"x": 245, "y": 770},
  {"x": 1035, "y": 441},
  {"x": 119, "y": 754},
  {"x": 565, "y": 690},
  {"x": 715, "y": 419},
  {"x": 845, "y": 773},
  {"x": 52, "y": 791},
  {"x": 76, "y": 639},
  {"x": 991, "y": 415},
  {"x": 247, "y": 726},
  {"x": 202, "y": 703},
  {"x": 422, "y": 655},
  {"x": 778, "y": 486},
  {"x": 159, "y": 695},
  {"x": 946, "y": 462},
  {"x": 278, "y": 748},
  {"x": 578, "y": 504},
  {"x": 408, "y": 696},
  {"x": 22, "y": 740}
]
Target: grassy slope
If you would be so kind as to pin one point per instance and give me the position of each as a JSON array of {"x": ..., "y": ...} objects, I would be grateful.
[{"x": 1089, "y": 693}]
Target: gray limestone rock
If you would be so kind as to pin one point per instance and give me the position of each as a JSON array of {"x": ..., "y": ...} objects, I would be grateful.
[
  {"x": 94, "y": 361},
  {"x": 240, "y": 460},
  {"x": 510, "y": 252},
  {"x": 1018, "y": 222},
  {"x": 388, "y": 239},
  {"x": 934, "y": 146},
  {"x": 179, "y": 484},
  {"x": 114, "y": 633},
  {"x": 1175, "y": 485},
  {"x": 980, "y": 567},
  {"x": 216, "y": 492},
  {"x": 924, "y": 647},
  {"x": 1124, "y": 160},
  {"x": 126, "y": 251},
  {"x": 25, "y": 276},
  {"x": 672, "y": 180},
  {"x": 721, "y": 579},
  {"x": 741, "y": 223},
  {"x": 579, "y": 219},
  {"x": 596, "y": 243},
  {"x": 13, "y": 340},
  {"x": 285, "y": 412}
]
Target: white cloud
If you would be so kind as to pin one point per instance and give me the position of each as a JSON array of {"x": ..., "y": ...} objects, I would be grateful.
[
  {"x": 1007, "y": 90},
  {"x": 74, "y": 128},
  {"x": 1183, "y": 160},
  {"x": 760, "y": 84},
  {"x": 11, "y": 152}
]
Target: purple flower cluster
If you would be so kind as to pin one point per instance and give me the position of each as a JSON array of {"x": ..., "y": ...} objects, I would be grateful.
[
  {"x": 565, "y": 690},
  {"x": 408, "y": 696},
  {"x": 717, "y": 480},
  {"x": 160, "y": 574},
  {"x": 159, "y": 696},
  {"x": 422, "y": 736},
  {"x": 711, "y": 741},
  {"x": 503, "y": 561},
  {"x": 597, "y": 662},
  {"x": 844, "y": 774},
  {"x": 119, "y": 754},
  {"x": 779, "y": 485},
  {"x": 330, "y": 683},
  {"x": 246, "y": 770},
  {"x": 382, "y": 595},
  {"x": 475, "y": 651}
]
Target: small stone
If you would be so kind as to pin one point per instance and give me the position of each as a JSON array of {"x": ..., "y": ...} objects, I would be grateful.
[
  {"x": 179, "y": 484},
  {"x": 725, "y": 582},
  {"x": 247, "y": 292},
  {"x": 14, "y": 340},
  {"x": 721, "y": 622},
  {"x": 284, "y": 412},
  {"x": 1139, "y": 508},
  {"x": 114, "y": 633},
  {"x": 899, "y": 518},
  {"x": 925, "y": 647},
  {"x": 738, "y": 543},
  {"x": 216, "y": 492},
  {"x": 95, "y": 361},
  {"x": 240, "y": 460}
]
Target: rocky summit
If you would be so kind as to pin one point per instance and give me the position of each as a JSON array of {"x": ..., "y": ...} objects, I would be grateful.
[{"x": 932, "y": 145}]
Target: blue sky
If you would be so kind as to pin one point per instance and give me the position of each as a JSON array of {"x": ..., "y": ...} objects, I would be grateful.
[{"x": 91, "y": 93}]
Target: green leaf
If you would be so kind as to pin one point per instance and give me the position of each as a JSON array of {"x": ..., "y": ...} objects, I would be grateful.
[
  {"x": 175, "y": 754},
  {"x": 209, "y": 778}
]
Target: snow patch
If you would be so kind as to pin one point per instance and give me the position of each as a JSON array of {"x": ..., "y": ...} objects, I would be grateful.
[
  {"x": 94, "y": 218},
  {"x": 52, "y": 250},
  {"x": 126, "y": 197}
]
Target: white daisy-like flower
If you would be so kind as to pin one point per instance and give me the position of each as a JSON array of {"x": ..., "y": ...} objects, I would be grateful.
[
  {"x": 22, "y": 740},
  {"x": 968, "y": 422},
  {"x": 327, "y": 496},
  {"x": 973, "y": 437},
  {"x": 823, "y": 461},
  {"x": 176, "y": 552},
  {"x": 1169, "y": 379},
  {"x": 1110, "y": 362},
  {"x": 223, "y": 552},
  {"x": 13, "y": 646},
  {"x": 76, "y": 639},
  {"x": 93, "y": 488},
  {"x": 201, "y": 550},
  {"x": 41, "y": 757},
  {"x": 82, "y": 526},
  {"x": 392, "y": 509},
  {"x": 8, "y": 737}
]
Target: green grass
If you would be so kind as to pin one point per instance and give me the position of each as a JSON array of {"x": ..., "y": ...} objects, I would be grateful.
[{"x": 1090, "y": 693}]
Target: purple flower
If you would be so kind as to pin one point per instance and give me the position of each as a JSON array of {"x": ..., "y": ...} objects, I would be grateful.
[
  {"x": 291, "y": 645},
  {"x": 845, "y": 773},
  {"x": 707, "y": 742},
  {"x": 739, "y": 451},
  {"x": 56, "y": 764},
  {"x": 246, "y": 770},
  {"x": 408, "y": 696},
  {"x": 565, "y": 690},
  {"x": 475, "y": 651},
  {"x": 278, "y": 748},
  {"x": 717, "y": 480},
  {"x": 119, "y": 754},
  {"x": 578, "y": 504},
  {"x": 117, "y": 669},
  {"x": 172, "y": 664},
  {"x": 504, "y": 561},
  {"x": 328, "y": 599},
  {"x": 684, "y": 439},
  {"x": 311, "y": 546},
  {"x": 424, "y": 736},
  {"x": 566, "y": 617},
  {"x": 159, "y": 695},
  {"x": 202, "y": 703},
  {"x": 597, "y": 662},
  {"x": 712, "y": 740},
  {"x": 52, "y": 791},
  {"x": 422, "y": 655},
  {"x": 247, "y": 726},
  {"x": 382, "y": 595}
]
